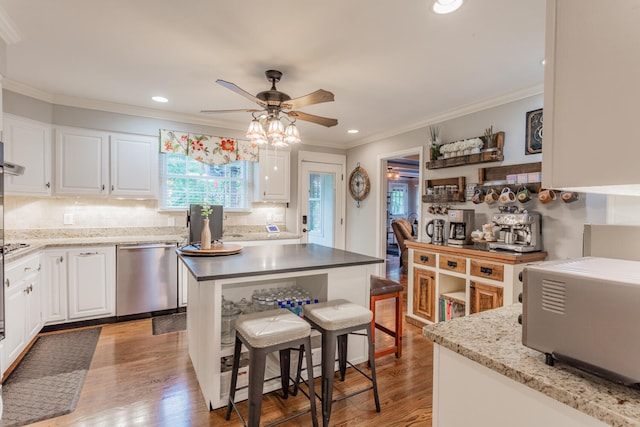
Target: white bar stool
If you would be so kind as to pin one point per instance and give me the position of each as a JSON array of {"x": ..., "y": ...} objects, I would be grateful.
[
  {"x": 262, "y": 333},
  {"x": 336, "y": 319}
]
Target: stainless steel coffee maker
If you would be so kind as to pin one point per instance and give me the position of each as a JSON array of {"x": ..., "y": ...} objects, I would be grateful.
[
  {"x": 519, "y": 232},
  {"x": 435, "y": 230},
  {"x": 460, "y": 226}
]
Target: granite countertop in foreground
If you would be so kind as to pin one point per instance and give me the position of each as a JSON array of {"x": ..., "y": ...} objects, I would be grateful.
[{"x": 494, "y": 339}]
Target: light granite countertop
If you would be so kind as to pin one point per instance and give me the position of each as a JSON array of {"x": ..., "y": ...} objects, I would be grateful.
[
  {"x": 494, "y": 339},
  {"x": 57, "y": 238}
]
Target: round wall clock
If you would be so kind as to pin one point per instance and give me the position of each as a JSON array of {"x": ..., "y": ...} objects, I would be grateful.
[{"x": 359, "y": 184}]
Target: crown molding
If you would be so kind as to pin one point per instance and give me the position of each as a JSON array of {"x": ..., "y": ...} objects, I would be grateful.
[
  {"x": 111, "y": 107},
  {"x": 454, "y": 114},
  {"x": 23, "y": 89},
  {"x": 8, "y": 30}
]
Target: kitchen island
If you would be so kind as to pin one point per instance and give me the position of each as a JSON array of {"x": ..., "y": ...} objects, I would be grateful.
[
  {"x": 484, "y": 376},
  {"x": 325, "y": 273}
]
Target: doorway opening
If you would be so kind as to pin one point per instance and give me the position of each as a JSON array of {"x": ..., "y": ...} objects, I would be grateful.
[{"x": 403, "y": 201}]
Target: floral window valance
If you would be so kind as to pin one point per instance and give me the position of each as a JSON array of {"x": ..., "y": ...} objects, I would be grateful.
[{"x": 212, "y": 150}]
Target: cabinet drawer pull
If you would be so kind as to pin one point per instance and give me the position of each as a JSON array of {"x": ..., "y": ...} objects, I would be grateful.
[
  {"x": 486, "y": 270},
  {"x": 452, "y": 264},
  {"x": 424, "y": 258},
  {"x": 88, "y": 253},
  {"x": 27, "y": 269}
]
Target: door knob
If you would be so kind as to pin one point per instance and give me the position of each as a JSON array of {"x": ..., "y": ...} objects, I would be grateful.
[{"x": 304, "y": 230}]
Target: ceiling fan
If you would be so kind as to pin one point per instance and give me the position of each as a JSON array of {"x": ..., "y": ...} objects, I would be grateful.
[{"x": 274, "y": 102}]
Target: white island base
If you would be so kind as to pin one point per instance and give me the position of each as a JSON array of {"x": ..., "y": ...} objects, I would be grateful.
[
  {"x": 203, "y": 320},
  {"x": 466, "y": 393}
]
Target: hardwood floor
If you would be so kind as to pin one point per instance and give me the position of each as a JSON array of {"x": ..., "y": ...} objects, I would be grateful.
[{"x": 140, "y": 379}]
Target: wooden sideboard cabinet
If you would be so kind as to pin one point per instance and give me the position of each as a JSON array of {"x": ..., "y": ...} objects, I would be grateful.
[
  {"x": 447, "y": 282},
  {"x": 424, "y": 293},
  {"x": 484, "y": 297}
]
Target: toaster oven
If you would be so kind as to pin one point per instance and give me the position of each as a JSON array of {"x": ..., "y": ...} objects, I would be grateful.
[{"x": 585, "y": 312}]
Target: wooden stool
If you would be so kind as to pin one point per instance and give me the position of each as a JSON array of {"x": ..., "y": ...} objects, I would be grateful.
[
  {"x": 336, "y": 320},
  {"x": 263, "y": 333},
  {"x": 382, "y": 289}
]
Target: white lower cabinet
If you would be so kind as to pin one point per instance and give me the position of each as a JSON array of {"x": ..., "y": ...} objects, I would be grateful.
[
  {"x": 54, "y": 293},
  {"x": 23, "y": 313},
  {"x": 80, "y": 283}
]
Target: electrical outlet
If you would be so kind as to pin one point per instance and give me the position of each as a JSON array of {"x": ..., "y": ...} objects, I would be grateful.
[{"x": 68, "y": 219}]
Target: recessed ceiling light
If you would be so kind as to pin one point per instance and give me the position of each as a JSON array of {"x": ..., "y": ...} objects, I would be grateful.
[
  {"x": 353, "y": 131},
  {"x": 159, "y": 99},
  {"x": 446, "y": 6}
]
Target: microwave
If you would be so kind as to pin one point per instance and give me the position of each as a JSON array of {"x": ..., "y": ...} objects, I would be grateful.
[{"x": 585, "y": 312}]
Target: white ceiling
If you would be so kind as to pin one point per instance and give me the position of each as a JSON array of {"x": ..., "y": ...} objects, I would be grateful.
[{"x": 393, "y": 66}]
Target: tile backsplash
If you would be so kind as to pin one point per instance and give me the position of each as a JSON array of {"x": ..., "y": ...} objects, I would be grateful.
[{"x": 25, "y": 213}]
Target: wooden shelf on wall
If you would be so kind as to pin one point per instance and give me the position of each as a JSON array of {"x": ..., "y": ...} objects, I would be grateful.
[
  {"x": 499, "y": 173},
  {"x": 445, "y": 198},
  {"x": 486, "y": 155}
]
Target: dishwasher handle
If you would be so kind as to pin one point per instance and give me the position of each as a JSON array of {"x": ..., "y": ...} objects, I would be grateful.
[{"x": 150, "y": 246}]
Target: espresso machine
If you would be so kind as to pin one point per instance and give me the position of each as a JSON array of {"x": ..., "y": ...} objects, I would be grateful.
[
  {"x": 519, "y": 232},
  {"x": 460, "y": 226}
]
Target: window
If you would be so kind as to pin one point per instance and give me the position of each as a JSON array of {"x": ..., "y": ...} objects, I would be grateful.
[
  {"x": 399, "y": 200},
  {"x": 186, "y": 181}
]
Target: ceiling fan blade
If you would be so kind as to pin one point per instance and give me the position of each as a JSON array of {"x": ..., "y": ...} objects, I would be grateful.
[
  {"x": 324, "y": 121},
  {"x": 233, "y": 87},
  {"x": 316, "y": 97}
]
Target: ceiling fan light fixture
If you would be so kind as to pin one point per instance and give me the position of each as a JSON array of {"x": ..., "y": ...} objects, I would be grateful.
[
  {"x": 291, "y": 134},
  {"x": 446, "y": 6},
  {"x": 256, "y": 133},
  {"x": 275, "y": 129}
]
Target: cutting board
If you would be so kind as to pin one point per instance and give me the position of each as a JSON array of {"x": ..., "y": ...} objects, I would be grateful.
[{"x": 216, "y": 250}]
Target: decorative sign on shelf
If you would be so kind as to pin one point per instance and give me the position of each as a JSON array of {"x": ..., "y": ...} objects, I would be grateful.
[{"x": 534, "y": 132}]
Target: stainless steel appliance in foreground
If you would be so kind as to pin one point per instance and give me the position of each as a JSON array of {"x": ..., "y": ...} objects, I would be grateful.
[
  {"x": 519, "y": 232},
  {"x": 146, "y": 278},
  {"x": 584, "y": 312}
]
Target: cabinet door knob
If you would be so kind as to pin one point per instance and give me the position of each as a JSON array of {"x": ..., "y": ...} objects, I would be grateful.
[
  {"x": 48, "y": 185},
  {"x": 103, "y": 187},
  {"x": 60, "y": 259},
  {"x": 112, "y": 188},
  {"x": 7, "y": 282}
]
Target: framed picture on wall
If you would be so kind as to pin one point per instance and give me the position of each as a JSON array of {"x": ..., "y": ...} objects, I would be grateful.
[{"x": 533, "y": 141}]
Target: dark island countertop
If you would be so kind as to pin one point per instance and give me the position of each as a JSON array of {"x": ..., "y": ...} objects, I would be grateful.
[{"x": 262, "y": 260}]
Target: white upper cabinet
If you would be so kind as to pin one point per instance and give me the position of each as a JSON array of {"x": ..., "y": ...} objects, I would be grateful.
[
  {"x": 134, "y": 165},
  {"x": 28, "y": 143},
  {"x": 96, "y": 163},
  {"x": 273, "y": 176},
  {"x": 82, "y": 162},
  {"x": 591, "y": 96}
]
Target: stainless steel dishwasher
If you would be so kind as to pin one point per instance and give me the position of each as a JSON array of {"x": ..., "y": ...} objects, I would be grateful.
[{"x": 146, "y": 278}]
